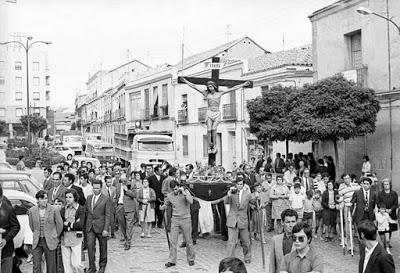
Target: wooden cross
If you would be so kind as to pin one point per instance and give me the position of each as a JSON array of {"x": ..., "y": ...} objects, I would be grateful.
[{"x": 215, "y": 66}]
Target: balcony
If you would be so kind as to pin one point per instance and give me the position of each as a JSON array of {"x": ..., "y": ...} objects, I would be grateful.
[
  {"x": 163, "y": 111},
  {"x": 202, "y": 111},
  {"x": 362, "y": 76},
  {"x": 183, "y": 116},
  {"x": 229, "y": 111}
]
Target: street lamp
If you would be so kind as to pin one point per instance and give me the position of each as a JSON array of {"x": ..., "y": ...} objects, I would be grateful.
[
  {"x": 365, "y": 11},
  {"x": 27, "y": 47}
]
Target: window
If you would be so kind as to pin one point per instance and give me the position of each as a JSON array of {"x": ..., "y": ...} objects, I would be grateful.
[
  {"x": 48, "y": 82},
  {"x": 2, "y": 81},
  {"x": 18, "y": 81},
  {"x": 155, "y": 101},
  {"x": 134, "y": 106},
  {"x": 36, "y": 96},
  {"x": 2, "y": 112},
  {"x": 18, "y": 96},
  {"x": 18, "y": 65},
  {"x": 35, "y": 66},
  {"x": 164, "y": 94},
  {"x": 36, "y": 110},
  {"x": 356, "y": 50},
  {"x": 36, "y": 81},
  {"x": 47, "y": 95},
  {"x": 1, "y": 65},
  {"x": 2, "y": 96},
  {"x": 18, "y": 112},
  {"x": 205, "y": 146},
  {"x": 185, "y": 145},
  {"x": 184, "y": 101}
]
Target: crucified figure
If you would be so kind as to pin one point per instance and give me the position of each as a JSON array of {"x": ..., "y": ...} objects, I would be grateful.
[{"x": 213, "y": 117}]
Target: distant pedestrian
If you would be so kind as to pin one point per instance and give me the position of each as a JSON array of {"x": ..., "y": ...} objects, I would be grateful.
[
  {"x": 366, "y": 166},
  {"x": 20, "y": 164},
  {"x": 280, "y": 201},
  {"x": 146, "y": 199}
]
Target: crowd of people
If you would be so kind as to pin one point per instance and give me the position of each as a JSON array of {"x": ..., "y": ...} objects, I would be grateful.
[{"x": 297, "y": 197}]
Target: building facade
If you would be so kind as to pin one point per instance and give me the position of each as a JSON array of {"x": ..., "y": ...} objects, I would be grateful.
[
  {"x": 367, "y": 48},
  {"x": 13, "y": 85}
]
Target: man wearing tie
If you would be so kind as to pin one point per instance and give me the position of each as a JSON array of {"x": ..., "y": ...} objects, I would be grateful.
[
  {"x": 308, "y": 182},
  {"x": 110, "y": 191},
  {"x": 97, "y": 224},
  {"x": 155, "y": 182},
  {"x": 364, "y": 201},
  {"x": 237, "y": 220},
  {"x": 58, "y": 189}
]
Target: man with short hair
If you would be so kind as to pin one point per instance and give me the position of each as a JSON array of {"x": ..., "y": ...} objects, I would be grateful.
[
  {"x": 267, "y": 186},
  {"x": 279, "y": 163},
  {"x": 110, "y": 191},
  {"x": 155, "y": 182},
  {"x": 47, "y": 183},
  {"x": 68, "y": 182},
  {"x": 166, "y": 189},
  {"x": 282, "y": 244},
  {"x": 58, "y": 189},
  {"x": 179, "y": 201},
  {"x": 232, "y": 264},
  {"x": 238, "y": 220},
  {"x": 97, "y": 224},
  {"x": 304, "y": 257},
  {"x": 289, "y": 175},
  {"x": 373, "y": 257},
  {"x": 308, "y": 182}
]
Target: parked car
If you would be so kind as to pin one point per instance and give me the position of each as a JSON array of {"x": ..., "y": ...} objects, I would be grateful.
[
  {"x": 68, "y": 153},
  {"x": 20, "y": 181},
  {"x": 95, "y": 162},
  {"x": 21, "y": 203}
]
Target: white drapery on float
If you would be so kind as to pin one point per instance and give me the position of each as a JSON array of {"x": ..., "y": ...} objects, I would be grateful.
[{"x": 208, "y": 191}]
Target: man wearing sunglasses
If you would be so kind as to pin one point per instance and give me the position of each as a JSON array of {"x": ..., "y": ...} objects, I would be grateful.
[{"x": 304, "y": 258}]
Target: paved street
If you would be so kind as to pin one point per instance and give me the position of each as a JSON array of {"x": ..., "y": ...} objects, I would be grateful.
[{"x": 150, "y": 255}]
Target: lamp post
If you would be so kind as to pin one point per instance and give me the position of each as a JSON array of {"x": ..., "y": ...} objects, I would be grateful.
[
  {"x": 27, "y": 46},
  {"x": 366, "y": 11}
]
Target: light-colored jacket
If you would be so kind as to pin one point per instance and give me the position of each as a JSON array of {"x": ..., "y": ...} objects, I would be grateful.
[
  {"x": 52, "y": 229},
  {"x": 238, "y": 212},
  {"x": 276, "y": 256}
]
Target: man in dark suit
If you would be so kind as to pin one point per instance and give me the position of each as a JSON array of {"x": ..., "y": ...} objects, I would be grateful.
[
  {"x": 58, "y": 189},
  {"x": 68, "y": 181},
  {"x": 10, "y": 226},
  {"x": 97, "y": 224},
  {"x": 110, "y": 191},
  {"x": 47, "y": 183},
  {"x": 373, "y": 257},
  {"x": 249, "y": 177},
  {"x": 364, "y": 200},
  {"x": 126, "y": 209},
  {"x": 155, "y": 182}
]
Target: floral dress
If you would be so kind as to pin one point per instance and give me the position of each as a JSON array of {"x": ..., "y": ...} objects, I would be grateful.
[{"x": 279, "y": 205}]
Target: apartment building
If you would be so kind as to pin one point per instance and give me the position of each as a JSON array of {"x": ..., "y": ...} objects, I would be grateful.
[
  {"x": 13, "y": 84},
  {"x": 366, "y": 48}
]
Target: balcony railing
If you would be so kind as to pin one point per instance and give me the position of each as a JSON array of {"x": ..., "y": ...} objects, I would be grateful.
[
  {"x": 362, "y": 76},
  {"x": 183, "y": 116},
  {"x": 229, "y": 111},
  {"x": 202, "y": 114},
  {"x": 163, "y": 111}
]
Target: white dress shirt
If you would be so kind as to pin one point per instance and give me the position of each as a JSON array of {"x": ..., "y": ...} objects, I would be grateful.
[
  {"x": 368, "y": 253},
  {"x": 121, "y": 196}
]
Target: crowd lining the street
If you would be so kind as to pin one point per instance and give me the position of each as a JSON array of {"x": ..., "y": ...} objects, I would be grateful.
[{"x": 298, "y": 197}]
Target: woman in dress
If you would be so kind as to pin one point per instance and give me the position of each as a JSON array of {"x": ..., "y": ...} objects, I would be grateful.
[
  {"x": 147, "y": 199},
  {"x": 329, "y": 211},
  {"x": 366, "y": 166},
  {"x": 390, "y": 198},
  {"x": 280, "y": 201},
  {"x": 73, "y": 216}
]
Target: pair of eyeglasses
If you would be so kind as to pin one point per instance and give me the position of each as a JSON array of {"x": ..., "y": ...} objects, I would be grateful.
[{"x": 301, "y": 239}]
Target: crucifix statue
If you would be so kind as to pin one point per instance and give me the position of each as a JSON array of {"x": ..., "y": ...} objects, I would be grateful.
[{"x": 213, "y": 96}]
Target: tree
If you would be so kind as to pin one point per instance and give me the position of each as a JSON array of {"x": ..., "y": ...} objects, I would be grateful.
[
  {"x": 332, "y": 109},
  {"x": 73, "y": 126},
  {"x": 37, "y": 123},
  {"x": 3, "y": 128},
  {"x": 269, "y": 117}
]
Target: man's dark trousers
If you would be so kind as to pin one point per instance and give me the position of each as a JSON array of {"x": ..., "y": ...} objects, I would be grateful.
[{"x": 91, "y": 237}]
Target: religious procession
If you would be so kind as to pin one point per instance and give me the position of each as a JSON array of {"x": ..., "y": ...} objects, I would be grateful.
[{"x": 149, "y": 136}]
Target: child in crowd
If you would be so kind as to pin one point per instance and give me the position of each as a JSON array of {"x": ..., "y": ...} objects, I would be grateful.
[
  {"x": 256, "y": 215},
  {"x": 308, "y": 209},
  {"x": 296, "y": 201},
  {"x": 317, "y": 207},
  {"x": 383, "y": 219},
  {"x": 59, "y": 203}
]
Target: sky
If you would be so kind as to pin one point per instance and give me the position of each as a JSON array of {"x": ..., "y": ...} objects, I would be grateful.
[{"x": 88, "y": 35}]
